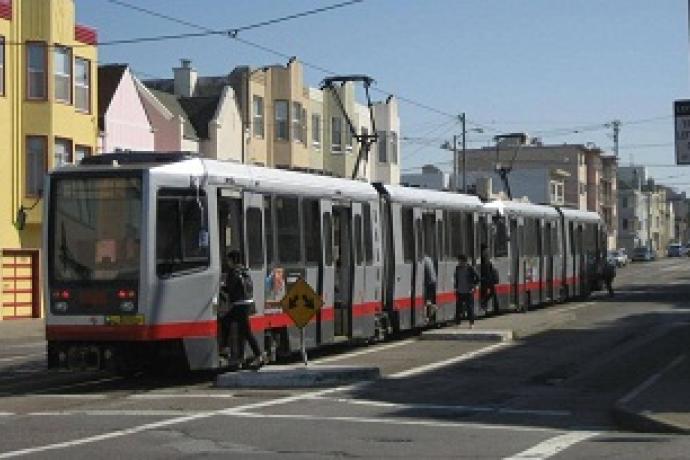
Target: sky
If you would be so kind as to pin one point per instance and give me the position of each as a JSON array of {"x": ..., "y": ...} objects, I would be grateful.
[{"x": 557, "y": 69}]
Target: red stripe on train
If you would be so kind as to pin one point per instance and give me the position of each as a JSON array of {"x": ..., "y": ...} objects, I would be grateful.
[{"x": 133, "y": 333}]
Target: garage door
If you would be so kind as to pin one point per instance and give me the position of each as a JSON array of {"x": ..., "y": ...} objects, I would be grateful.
[{"x": 20, "y": 284}]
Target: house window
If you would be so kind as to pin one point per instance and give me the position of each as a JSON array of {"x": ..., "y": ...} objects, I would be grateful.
[
  {"x": 2, "y": 66},
  {"x": 63, "y": 74},
  {"x": 37, "y": 82},
  {"x": 258, "y": 104},
  {"x": 81, "y": 152},
  {"x": 36, "y": 154},
  {"x": 625, "y": 202},
  {"x": 82, "y": 85},
  {"x": 625, "y": 224},
  {"x": 337, "y": 134},
  {"x": 297, "y": 122},
  {"x": 383, "y": 146},
  {"x": 394, "y": 147},
  {"x": 316, "y": 129},
  {"x": 304, "y": 127},
  {"x": 281, "y": 116},
  {"x": 63, "y": 152},
  {"x": 348, "y": 138}
]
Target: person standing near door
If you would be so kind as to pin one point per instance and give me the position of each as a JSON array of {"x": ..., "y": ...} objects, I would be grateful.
[
  {"x": 466, "y": 279},
  {"x": 489, "y": 279},
  {"x": 240, "y": 298}
]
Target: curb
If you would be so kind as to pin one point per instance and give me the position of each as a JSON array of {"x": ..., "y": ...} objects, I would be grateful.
[
  {"x": 480, "y": 335},
  {"x": 297, "y": 377},
  {"x": 630, "y": 419}
]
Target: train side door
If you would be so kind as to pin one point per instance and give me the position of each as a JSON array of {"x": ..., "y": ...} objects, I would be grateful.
[
  {"x": 542, "y": 256},
  {"x": 418, "y": 309},
  {"x": 327, "y": 276},
  {"x": 515, "y": 263},
  {"x": 548, "y": 254},
  {"x": 343, "y": 273},
  {"x": 444, "y": 275},
  {"x": 358, "y": 272},
  {"x": 254, "y": 251}
]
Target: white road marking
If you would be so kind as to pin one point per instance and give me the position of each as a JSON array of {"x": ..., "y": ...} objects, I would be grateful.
[
  {"x": 182, "y": 395},
  {"x": 372, "y": 349},
  {"x": 21, "y": 357},
  {"x": 119, "y": 413},
  {"x": 240, "y": 410},
  {"x": 553, "y": 446},
  {"x": 393, "y": 421},
  {"x": 70, "y": 396},
  {"x": 444, "y": 407},
  {"x": 447, "y": 362},
  {"x": 27, "y": 345},
  {"x": 6, "y": 414},
  {"x": 651, "y": 380}
]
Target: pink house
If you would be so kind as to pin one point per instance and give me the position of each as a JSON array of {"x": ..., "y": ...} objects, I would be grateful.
[{"x": 123, "y": 121}]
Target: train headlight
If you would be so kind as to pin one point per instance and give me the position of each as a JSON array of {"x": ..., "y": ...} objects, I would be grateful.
[
  {"x": 60, "y": 307},
  {"x": 127, "y": 306}
]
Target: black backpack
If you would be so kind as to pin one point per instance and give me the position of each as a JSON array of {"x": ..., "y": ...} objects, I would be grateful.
[{"x": 239, "y": 285}]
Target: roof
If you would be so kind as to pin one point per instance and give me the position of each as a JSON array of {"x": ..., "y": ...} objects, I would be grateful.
[
  {"x": 269, "y": 180},
  {"x": 172, "y": 103},
  {"x": 200, "y": 111},
  {"x": 522, "y": 208},
  {"x": 109, "y": 78},
  {"x": 430, "y": 198}
]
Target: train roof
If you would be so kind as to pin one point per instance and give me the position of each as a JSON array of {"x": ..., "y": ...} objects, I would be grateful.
[
  {"x": 423, "y": 197},
  {"x": 585, "y": 216},
  {"x": 521, "y": 208},
  {"x": 262, "y": 179}
]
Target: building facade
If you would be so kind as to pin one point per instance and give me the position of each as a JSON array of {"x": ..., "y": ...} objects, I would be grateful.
[
  {"x": 48, "y": 118},
  {"x": 122, "y": 119}
]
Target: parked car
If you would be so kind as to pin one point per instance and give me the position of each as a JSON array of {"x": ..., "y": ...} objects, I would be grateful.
[
  {"x": 677, "y": 250},
  {"x": 616, "y": 258},
  {"x": 643, "y": 255},
  {"x": 623, "y": 258}
]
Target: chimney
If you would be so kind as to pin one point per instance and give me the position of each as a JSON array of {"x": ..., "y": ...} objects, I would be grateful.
[
  {"x": 484, "y": 187},
  {"x": 185, "y": 79}
]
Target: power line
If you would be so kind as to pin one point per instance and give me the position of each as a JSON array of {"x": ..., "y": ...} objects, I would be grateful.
[{"x": 275, "y": 52}]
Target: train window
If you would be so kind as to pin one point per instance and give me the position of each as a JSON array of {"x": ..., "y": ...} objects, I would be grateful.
[
  {"x": 407, "y": 234},
  {"x": 530, "y": 231},
  {"x": 312, "y": 231},
  {"x": 328, "y": 238},
  {"x": 287, "y": 229},
  {"x": 181, "y": 231},
  {"x": 420, "y": 239},
  {"x": 456, "y": 235},
  {"x": 368, "y": 242},
  {"x": 268, "y": 225},
  {"x": 501, "y": 239},
  {"x": 255, "y": 247},
  {"x": 359, "y": 253},
  {"x": 468, "y": 235},
  {"x": 555, "y": 247}
]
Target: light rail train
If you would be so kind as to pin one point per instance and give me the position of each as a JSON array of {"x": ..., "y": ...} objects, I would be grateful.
[{"x": 135, "y": 245}]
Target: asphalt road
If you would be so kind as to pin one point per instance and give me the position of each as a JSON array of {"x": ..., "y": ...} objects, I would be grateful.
[{"x": 547, "y": 394}]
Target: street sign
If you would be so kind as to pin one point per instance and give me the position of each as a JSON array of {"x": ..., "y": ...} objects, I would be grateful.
[
  {"x": 301, "y": 303},
  {"x": 682, "y": 120}
]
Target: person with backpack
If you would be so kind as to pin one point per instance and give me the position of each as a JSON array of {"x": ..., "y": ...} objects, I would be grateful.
[
  {"x": 608, "y": 274},
  {"x": 466, "y": 279},
  {"x": 240, "y": 298}
]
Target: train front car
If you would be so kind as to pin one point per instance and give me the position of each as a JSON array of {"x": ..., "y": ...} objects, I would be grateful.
[{"x": 116, "y": 294}]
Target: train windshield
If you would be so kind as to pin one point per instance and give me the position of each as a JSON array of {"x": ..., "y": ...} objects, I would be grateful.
[{"x": 95, "y": 229}]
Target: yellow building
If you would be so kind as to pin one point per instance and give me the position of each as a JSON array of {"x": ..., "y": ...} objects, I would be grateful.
[{"x": 48, "y": 117}]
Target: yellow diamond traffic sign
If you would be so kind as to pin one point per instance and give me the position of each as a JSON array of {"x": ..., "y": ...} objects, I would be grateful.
[{"x": 301, "y": 303}]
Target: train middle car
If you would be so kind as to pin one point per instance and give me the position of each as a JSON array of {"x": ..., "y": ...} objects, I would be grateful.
[{"x": 362, "y": 247}]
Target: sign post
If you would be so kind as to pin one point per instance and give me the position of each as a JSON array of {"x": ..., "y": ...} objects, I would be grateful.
[
  {"x": 301, "y": 303},
  {"x": 681, "y": 110}
]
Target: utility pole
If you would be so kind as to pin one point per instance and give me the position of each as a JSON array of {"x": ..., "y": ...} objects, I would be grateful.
[
  {"x": 616, "y": 126},
  {"x": 464, "y": 153},
  {"x": 455, "y": 162}
]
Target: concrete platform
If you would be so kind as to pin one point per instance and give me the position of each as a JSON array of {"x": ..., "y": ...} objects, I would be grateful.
[
  {"x": 487, "y": 335},
  {"x": 313, "y": 376}
]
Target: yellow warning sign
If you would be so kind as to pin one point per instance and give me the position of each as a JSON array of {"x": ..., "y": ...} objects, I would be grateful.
[{"x": 301, "y": 303}]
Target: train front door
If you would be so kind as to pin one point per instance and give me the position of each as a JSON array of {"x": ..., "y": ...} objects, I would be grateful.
[
  {"x": 359, "y": 306},
  {"x": 548, "y": 254},
  {"x": 418, "y": 309},
  {"x": 342, "y": 257}
]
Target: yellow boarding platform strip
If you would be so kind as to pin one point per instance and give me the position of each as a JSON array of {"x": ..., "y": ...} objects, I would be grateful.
[{"x": 124, "y": 320}]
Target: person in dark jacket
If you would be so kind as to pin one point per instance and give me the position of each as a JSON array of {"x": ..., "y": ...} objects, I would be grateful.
[
  {"x": 466, "y": 280},
  {"x": 240, "y": 298},
  {"x": 608, "y": 274}
]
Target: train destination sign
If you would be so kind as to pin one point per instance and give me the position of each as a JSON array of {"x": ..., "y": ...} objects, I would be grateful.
[
  {"x": 681, "y": 110},
  {"x": 301, "y": 303}
]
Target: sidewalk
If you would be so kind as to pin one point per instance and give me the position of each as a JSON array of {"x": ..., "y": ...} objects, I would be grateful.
[{"x": 22, "y": 329}]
